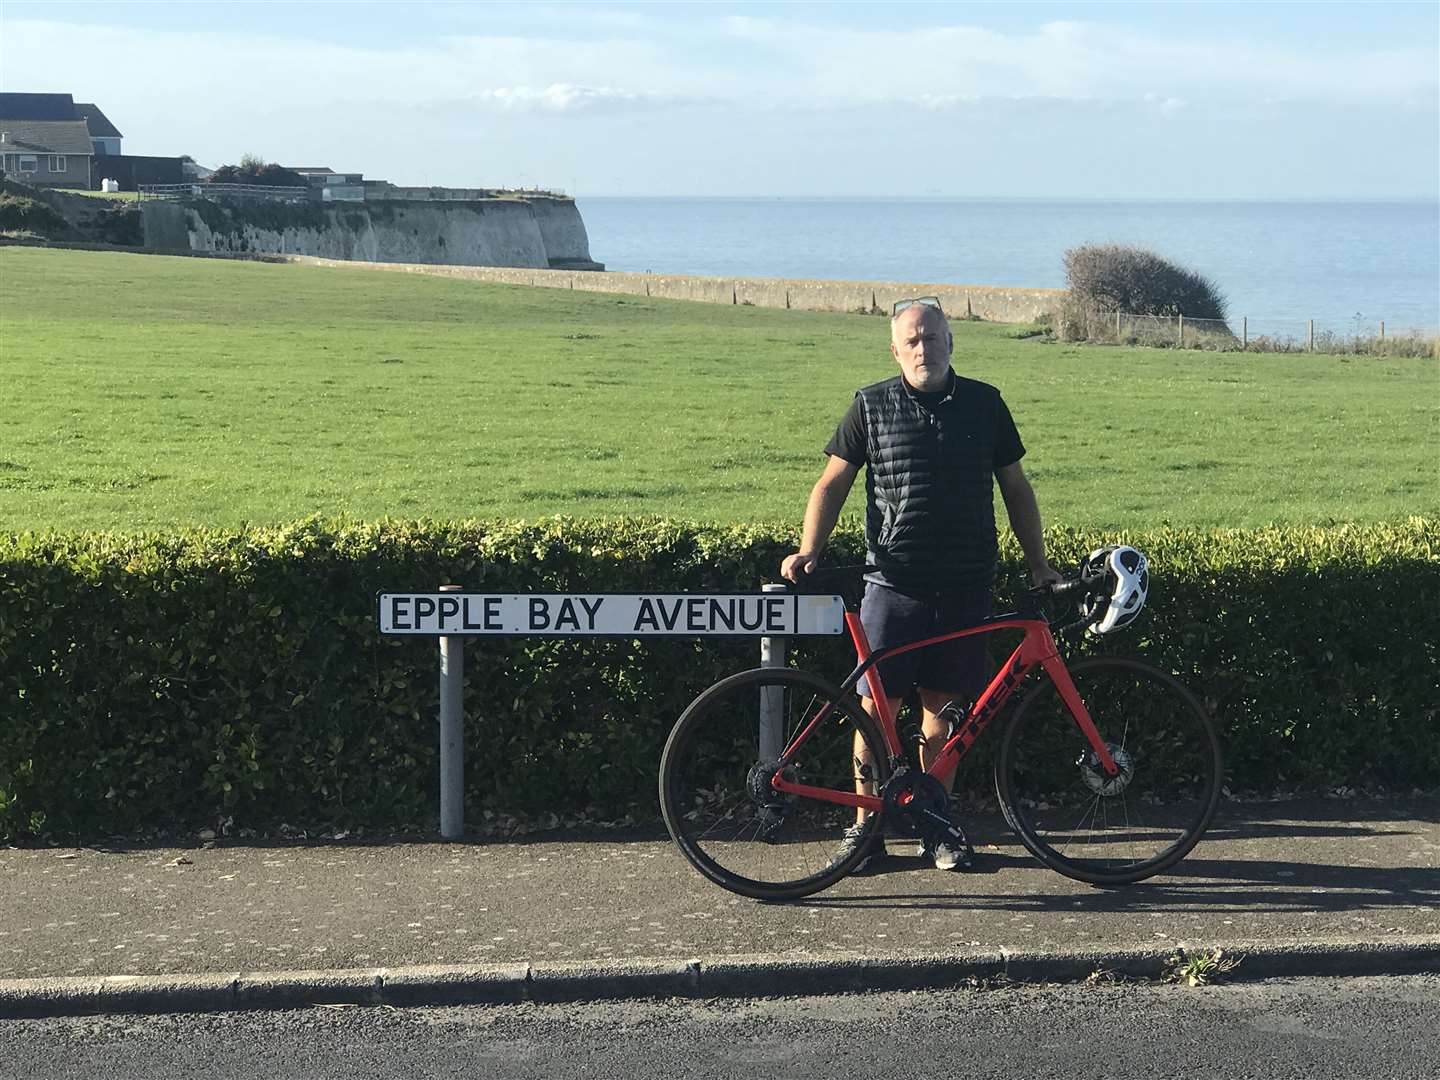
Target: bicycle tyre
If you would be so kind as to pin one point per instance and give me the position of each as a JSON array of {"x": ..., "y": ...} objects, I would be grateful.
[
  {"x": 1054, "y": 794},
  {"x": 768, "y": 846}
]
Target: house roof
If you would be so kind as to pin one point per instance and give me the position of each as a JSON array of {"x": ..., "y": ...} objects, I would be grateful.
[
  {"x": 46, "y": 137},
  {"x": 57, "y": 107},
  {"x": 37, "y": 107},
  {"x": 99, "y": 124}
]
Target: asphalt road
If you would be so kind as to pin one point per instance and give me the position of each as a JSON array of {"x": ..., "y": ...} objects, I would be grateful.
[{"x": 1372, "y": 1027}]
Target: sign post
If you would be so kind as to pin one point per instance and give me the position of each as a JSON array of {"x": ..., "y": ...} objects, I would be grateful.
[
  {"x": 772, "y": 654},
  {"x": 453, "y": 615},
  {"x": 452, "y": 732}
]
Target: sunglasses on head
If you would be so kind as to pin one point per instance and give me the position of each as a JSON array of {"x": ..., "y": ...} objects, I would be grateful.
[{"x": 918, "y": 301}]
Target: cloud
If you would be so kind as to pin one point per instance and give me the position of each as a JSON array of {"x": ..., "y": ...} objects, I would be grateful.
[
  {"x": 272, "y": 69},
  {"x": 1076, "y": 61},
  {"x": 556, "y": 20},
  {"x": 944, "y": 102},
  {"x": 570, "y": 98},
  {"x": 560, "y": 98},
  {"x": 790, "y": 106},
  {"x": 1166, "y": 106},
  {"x": 570, "y": 59}
]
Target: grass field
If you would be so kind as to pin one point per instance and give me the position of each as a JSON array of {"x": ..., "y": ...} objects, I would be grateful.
[
  {"x": 117, "y": 196},
  {"x": 143, "y": 391}
]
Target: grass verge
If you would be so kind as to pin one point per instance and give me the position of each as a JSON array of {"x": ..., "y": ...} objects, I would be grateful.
[{"x": 146, "y": 391}]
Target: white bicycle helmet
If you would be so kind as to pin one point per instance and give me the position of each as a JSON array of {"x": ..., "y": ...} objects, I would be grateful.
[{"x": 1127, "y": 576}]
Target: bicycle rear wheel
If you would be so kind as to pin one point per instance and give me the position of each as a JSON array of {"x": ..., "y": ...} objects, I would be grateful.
[
  {"x": 716, "y": 797},
  {"x": 1101, "y": 829}
]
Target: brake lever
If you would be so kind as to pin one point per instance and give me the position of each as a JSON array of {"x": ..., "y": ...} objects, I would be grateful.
[{"x": 1057, "y": 603}]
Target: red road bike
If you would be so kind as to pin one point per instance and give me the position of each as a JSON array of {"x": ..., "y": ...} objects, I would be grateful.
[{"x": 1109, "y": 770}]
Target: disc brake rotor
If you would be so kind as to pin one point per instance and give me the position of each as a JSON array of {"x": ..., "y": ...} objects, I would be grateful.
[{"x": 1100, "y": 782}]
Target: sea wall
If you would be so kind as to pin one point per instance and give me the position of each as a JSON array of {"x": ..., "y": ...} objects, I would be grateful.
[
  {"x": 496, "y": 232},
  {"x": 961, "y": 301}
]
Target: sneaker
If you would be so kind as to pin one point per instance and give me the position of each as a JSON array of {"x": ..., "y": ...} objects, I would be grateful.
[
  {"x": 855, "y": 837},
  {"x": 950, "y": 851}
]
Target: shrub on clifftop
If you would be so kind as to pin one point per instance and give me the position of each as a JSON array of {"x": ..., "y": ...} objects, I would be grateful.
[
  {"x": 252, "y": 170},
  {"x": 1119, "y": 277},
  {"x": 20, "y": 213}
]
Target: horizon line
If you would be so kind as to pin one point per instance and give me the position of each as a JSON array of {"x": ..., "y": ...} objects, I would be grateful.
[{"x": 1430, "y": 198}]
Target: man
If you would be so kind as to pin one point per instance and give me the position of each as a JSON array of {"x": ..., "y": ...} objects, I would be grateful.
[{"x": 930, "y": 442}]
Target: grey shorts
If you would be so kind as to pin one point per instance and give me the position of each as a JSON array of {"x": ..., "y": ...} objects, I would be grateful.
[{"x": 895, "y": 618}]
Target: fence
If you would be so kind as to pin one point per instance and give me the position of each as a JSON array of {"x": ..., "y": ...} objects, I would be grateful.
[
  {"x": 382, "y": 191},
  {"x": 1245, "y": 334},
  {"x": 224, "y": 191}
]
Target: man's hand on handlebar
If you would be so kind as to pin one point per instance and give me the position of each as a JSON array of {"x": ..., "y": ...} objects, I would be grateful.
[
  {"x": 1045, "y": 575},
  {"x": 795, "y": 565}
]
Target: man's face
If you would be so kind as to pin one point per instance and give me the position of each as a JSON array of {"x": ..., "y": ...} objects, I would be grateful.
[{"x": 920, "y": 343}]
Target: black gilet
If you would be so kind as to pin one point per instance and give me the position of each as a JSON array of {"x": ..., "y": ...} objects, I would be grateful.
[{"x": 930, "y": 514}]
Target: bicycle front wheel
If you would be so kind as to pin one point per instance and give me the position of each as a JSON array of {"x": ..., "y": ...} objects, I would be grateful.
[
  {"x": 715, "y": 791},
  {"x": 1110, "y": 830}
]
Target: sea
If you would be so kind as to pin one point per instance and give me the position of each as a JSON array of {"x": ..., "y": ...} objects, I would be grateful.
[{"x": 1346, "y": 265}]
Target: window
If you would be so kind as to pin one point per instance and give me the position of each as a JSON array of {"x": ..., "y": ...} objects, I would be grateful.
[
  {"x": 28, "y": 163},
  {"x": 57, "y": 162}
]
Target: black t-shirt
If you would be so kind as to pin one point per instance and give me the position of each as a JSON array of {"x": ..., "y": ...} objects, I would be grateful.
[{"x": 849, "y": 440}]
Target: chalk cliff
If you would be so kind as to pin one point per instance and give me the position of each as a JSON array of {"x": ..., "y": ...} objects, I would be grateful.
[{"x": 540, "y": 232}]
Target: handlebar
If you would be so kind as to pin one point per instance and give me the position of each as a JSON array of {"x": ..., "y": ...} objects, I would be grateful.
[
  {"x": 1070, "y": 591},
  {"x": 1068, "y": 595}
]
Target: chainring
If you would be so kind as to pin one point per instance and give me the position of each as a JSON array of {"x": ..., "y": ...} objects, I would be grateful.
[{"x": 916, "y": 801}]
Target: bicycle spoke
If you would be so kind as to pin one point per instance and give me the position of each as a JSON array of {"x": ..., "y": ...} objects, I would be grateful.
[
  {"x": 717, "y": 792},
  {"x": 718, "y": 823},
  {"x": 1079, "y": 825},
  {"x": 1099, "y": 826},
  {"x": 1129, "y": 829},
  {"x": 802, "y": 718}
]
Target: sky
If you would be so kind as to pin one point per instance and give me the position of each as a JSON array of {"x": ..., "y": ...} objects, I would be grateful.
[{"x": 1031, "y": 100}]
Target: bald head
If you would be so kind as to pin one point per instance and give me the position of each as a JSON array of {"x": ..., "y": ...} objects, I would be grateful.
[
  {"x": 919, "y": 316},
  {"x": 920, "y": 342}
]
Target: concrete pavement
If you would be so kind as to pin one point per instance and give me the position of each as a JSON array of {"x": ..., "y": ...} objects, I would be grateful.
[{"x": 1304, "y": 887}]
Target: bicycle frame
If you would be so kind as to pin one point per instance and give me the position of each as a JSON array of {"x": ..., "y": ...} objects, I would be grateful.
[{"x": 1036, "y": 649}]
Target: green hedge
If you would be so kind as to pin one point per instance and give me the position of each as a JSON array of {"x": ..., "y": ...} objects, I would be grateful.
[{"x": 173, "y": 679}]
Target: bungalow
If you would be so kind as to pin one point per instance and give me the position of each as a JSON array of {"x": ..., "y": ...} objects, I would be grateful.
[
  {"x": 104, "y": 136},
  {"x": 46, "y": 153}
]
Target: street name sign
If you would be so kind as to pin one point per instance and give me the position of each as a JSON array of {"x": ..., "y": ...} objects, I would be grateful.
[{"x": 610, "y": 614}]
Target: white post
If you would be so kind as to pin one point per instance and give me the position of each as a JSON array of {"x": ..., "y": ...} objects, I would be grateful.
[
  {"x": 772, "y": 698},
  {"x": 1180, "y": 336},
  {"x": 1245, "y": 331},
  {"x": 452, "y": 732}
]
